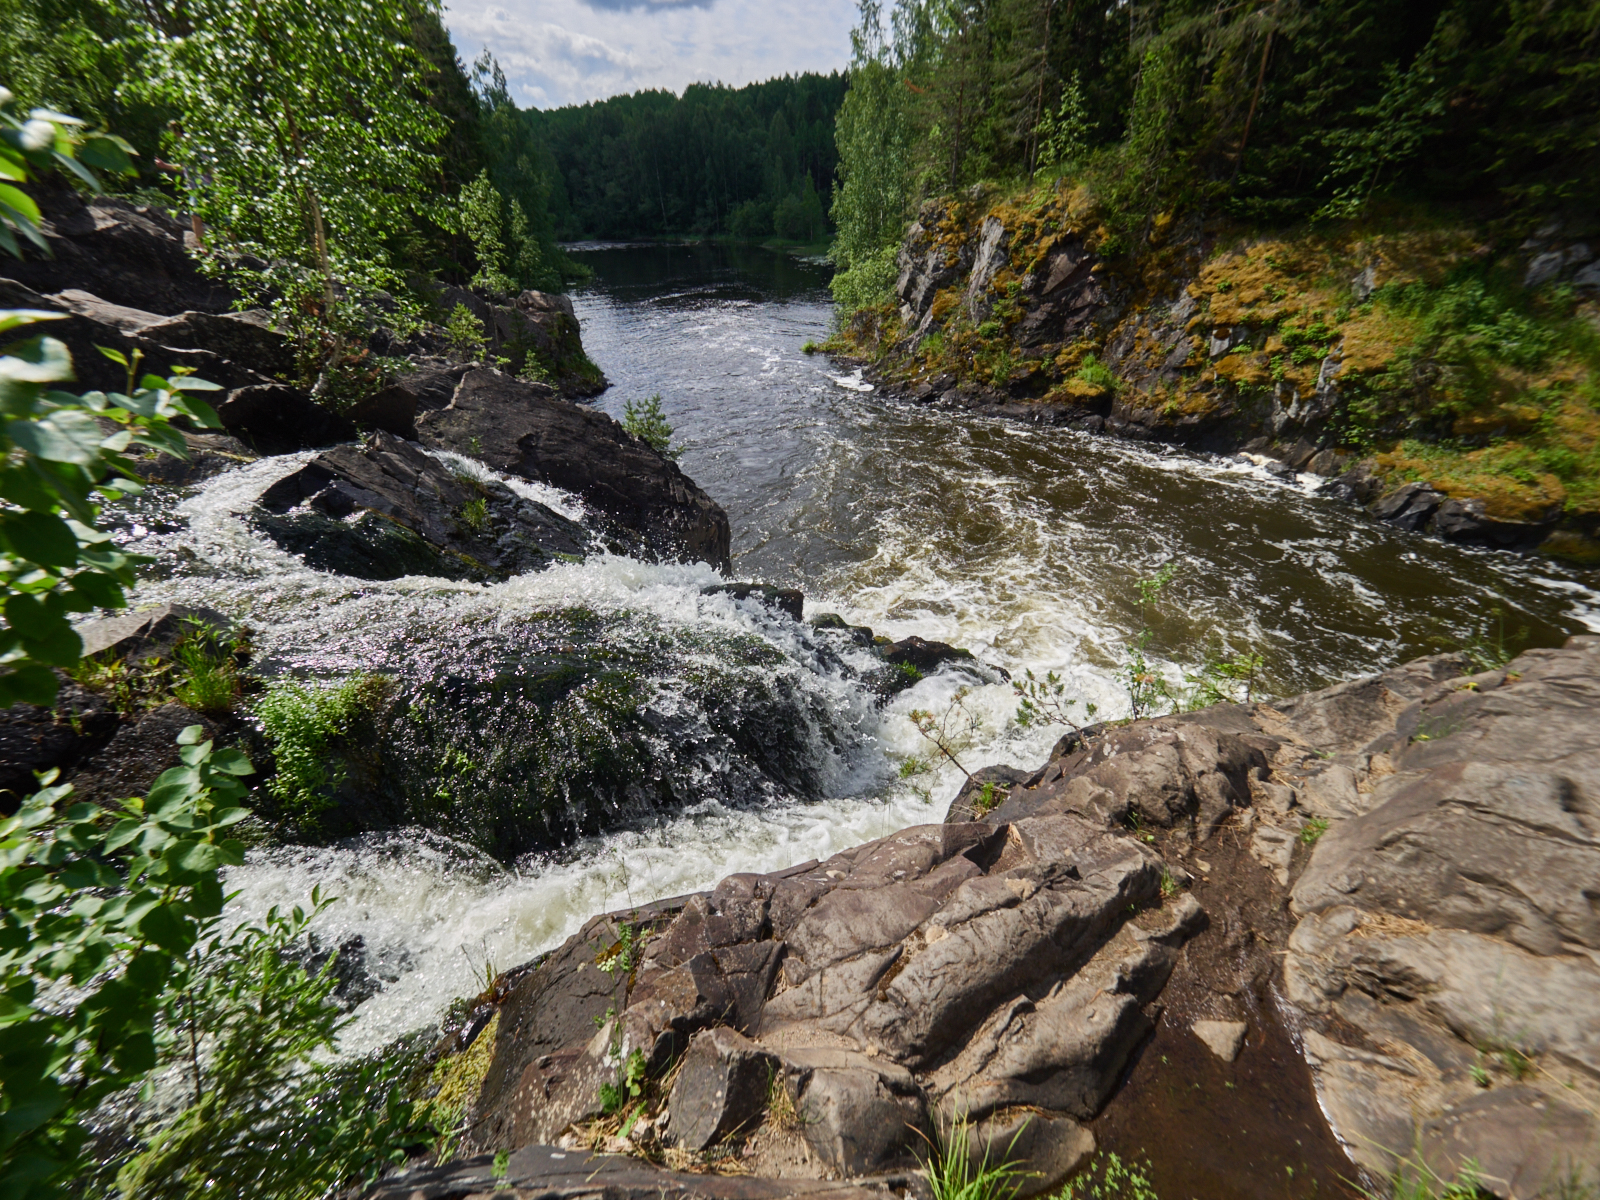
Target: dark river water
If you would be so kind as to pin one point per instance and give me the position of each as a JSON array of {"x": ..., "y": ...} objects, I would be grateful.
[{"x": 1023, "y": 544}]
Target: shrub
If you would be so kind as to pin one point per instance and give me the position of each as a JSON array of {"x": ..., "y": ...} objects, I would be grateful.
[
  {"x": 646, "y": 421},
  {"x": 464, "y": 332},
  {"x": 305, "y": 724}
]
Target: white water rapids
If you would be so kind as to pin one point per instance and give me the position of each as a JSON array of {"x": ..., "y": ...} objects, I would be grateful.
[{"x": 1022, "y": 544}]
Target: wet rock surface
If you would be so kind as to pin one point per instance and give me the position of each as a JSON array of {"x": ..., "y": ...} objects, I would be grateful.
[
  {"x": 468, "y": 528},
  {"x": 526, "y": 429},
  {"x": 1413, "y": 955}
]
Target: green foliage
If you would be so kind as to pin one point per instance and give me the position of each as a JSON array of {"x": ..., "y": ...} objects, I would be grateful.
[
  {"x": 301, "y": 130},
  {"x": 481, "y": 219},
  {"x": 1093, "y": 371},
  {"x": 952, "y": 731},
  {"x": 113, "y": 904},
  {"x": 44, "y": 142},
  {"x": 53, "y": 561},
  {"x": 714, "y": 159},
  {"x": 1489, "y": 648},
  {"x": 1414, "y": 1179},
  {"x": 872, "y": 199},
  {"x": 249, "y": 1024},
  {"x": 1314, "y": 829},
  {"x": 305, "y": 724},
  {"x": 865, "y": 282},
  {"x": 1064, "y": 135},
  {"x": 1042, "y": 702},
  {"x": 208, "y": 676},
  {"x": 645, "y": 420},
  {"x": 629, "y": 1085},
  {"x": 474, "y": 514},
  {"x": 952, "y": 1174},
  {"x": 1109, "y": 1178},
  {"x": 464, "y": 332}
]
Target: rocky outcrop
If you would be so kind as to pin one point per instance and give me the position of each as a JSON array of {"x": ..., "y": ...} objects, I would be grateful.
[
  {"x": 125, "y": 253},
  {"x": 1432, "y": 831},
  {"x": 1028, "y": 309},
  {"x": 947, "y": 973},
  {"x": 525, "y": 429},
  {"x": 349, "y": 510},
  {"x": 536, "y": 335}
]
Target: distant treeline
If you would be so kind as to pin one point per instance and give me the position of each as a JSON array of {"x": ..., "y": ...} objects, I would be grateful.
[
  {"x": 752, "y": 161},
  {"x": 1266, "y": 110}
]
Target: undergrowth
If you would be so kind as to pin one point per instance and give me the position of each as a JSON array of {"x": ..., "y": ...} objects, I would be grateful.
[{"x": 305, "y": 723}]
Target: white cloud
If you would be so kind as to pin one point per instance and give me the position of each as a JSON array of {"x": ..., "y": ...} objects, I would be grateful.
[{"x": 558, "y": 52}]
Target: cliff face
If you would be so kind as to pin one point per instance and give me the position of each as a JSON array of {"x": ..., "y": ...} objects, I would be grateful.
[{"x": 1384, "y": 355}]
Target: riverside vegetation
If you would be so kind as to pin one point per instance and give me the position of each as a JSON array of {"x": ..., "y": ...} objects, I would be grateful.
[{"x": 1273, "y": 227}]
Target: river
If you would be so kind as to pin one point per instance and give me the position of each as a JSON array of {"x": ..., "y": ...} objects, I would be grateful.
[{"x": 1024, "y": 544}]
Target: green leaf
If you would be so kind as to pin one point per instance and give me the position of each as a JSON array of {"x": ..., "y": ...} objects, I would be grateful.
[
  {"x": 41, "y": 538},
  {"x": 38, "y": 360},
  {"x": 194, "y": 856},
  {"x": 28, "y": 684},
  {"x": 167, "y": 929},
  {"x": 232, "y": 761},
  {"x": 108, "y": 154},
  {"x": 191, "y": 735},
  {"x": 17, "y": 318},
  {"x": 19, "y": 202}
]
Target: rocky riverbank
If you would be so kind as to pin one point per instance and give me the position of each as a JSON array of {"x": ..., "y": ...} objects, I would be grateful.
[
  {"x": 1330, "y": 351},
  {"x": 1394, "y": 876}
]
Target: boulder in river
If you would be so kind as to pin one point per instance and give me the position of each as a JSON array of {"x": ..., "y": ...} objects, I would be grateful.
[
  {"x": 526, "y": 429},
  {"x": 349, "y": 510}
]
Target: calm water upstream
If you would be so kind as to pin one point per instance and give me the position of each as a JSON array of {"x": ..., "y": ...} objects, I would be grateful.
[{"x": 1023, "y": 544}]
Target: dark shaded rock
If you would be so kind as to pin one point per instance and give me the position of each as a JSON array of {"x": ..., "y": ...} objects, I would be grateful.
[
  {"x": 367, "y": 545},
  {"x": 525, "y": 429},
  {"x": 88, "y": 322},
  {"x": 142, "y": 748},
  {"x": 208, "y": 454},
  {"x": 1409, "y": 507},
  {"x": 467, "y": 528},
  {"x": 1358, "y": 485},
  {"x": 536, "y": 333},
  {"x": 721, "y": 1089},
  {"x": 245, "y": 339},
  {"x": 926, "y": 657},
  {"x": 128, "y": 254},
  {"x": 275, "y": 418},
  {"x": 785, "y": 600},
  {"x": 35, "y": 739},
  {"x": 1465, "y": 521}
]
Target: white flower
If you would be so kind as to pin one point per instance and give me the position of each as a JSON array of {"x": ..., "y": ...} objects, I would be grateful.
[
  {"x": 38, "y": 135},
  {"x": 5, "y": 96}
]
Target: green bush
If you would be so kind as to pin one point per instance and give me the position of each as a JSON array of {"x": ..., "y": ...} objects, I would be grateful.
[
  {"x": 645, "y": 420},
  {"x": 304, "y": 724},
  {"x": 1109, "y": 1178},
  {"x": 114, "y": 904}
]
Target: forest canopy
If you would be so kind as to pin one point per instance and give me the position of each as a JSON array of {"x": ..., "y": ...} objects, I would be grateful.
[{"x": 1267, "y": 110}]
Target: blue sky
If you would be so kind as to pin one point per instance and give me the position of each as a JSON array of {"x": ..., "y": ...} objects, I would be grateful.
[{"x": 558, "y": 52}]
